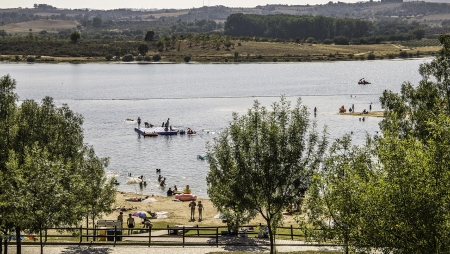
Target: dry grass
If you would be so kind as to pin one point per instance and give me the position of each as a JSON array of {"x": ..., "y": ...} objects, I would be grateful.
[
  {"x": 267, "y": 51},
  {"x": 39, "y": 25},
  {"x": 166, "y": 14}
]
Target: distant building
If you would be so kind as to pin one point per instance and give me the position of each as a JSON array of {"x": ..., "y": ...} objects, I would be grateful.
[{"x": 392, "y": 1}]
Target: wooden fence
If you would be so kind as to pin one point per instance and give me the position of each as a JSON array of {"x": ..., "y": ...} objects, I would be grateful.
[{"x": 179, "y": 235}]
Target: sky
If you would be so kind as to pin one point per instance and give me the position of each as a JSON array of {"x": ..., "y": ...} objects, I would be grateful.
[{"x": 157, "y": 4}]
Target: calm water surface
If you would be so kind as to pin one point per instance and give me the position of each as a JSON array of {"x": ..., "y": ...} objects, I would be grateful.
[{"x": 202, "y": 97}]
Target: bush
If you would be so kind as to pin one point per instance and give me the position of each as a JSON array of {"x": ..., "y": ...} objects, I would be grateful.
[
  {"x": 147, "y": 58},
  {"x": 31, "y": 59},
  {"x": 187, "y": 59},
  {"x": 139, "y": 58},
  {"x": 403, "y": 54},
  {"x": 108, "y": 57},
  {"x": 328, "y": 41},
  {"x": 156, "y": 57},
  {"x": 128, "y": 58},
  {"x": 371, "y": 56}
]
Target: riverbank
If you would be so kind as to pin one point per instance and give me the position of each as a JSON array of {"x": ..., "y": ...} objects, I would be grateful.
[{"x": 240, "y": 52}]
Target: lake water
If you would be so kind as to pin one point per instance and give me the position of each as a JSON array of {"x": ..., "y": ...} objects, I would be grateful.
[{"x": 202, "y": 97}]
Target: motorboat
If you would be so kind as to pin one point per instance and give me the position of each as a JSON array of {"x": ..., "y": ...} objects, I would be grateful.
[{"x": 363, "y": 82}]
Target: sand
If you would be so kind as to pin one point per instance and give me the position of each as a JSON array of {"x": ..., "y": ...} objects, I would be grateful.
[{"x": 178, "y": 212}]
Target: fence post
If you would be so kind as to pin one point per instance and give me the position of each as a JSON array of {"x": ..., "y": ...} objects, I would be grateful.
[
  {"x": 149, "y": 236},
  {"x": 81, "y": 234},
  {"x": 198, "y": 234},
  {"x": 183, "y": 236},
  {"x": 217, "y": 237},
  {"x": 292, "y": 233},
  {"x": 115, "y": 235}
]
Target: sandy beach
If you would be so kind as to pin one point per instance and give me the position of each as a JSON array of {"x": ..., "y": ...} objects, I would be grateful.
[{"x": 178, "y": 212}]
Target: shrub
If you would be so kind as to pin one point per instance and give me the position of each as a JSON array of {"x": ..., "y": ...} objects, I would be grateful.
[
  {"x": 403, "y": 54},
  {"x": 147, "y": 58},
  {"x": 31, "y": 59},
  {"x": 108, "y": 57},
  {"x": 371, "y": 56},
  {"x": 128, "y": 58},
  {"x": 328, "y": 41},
  {"x": 156, "y": 57},
  {"x": 187, "y": 59}
]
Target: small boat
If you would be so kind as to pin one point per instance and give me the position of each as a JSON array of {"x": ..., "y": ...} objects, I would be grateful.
[
  {"x": 151, "y": 134},
  {"x": 191, "y": 132},
  {"x": 203, "y": 158},
  {"x": 186, "y": 197},
  {"x": 363, "y": 82}
]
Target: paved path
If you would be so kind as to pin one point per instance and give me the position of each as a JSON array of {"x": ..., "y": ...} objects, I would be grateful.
[
  {"x": 169, "y": 250},
  {"x": 205, "y": 245}
]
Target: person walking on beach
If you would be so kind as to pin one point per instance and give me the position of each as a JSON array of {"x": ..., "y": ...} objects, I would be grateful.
[
  {"x": 192, "y": 206},
  {"x": 130, "y": 223},
  {"x": 200, "y": 211}
]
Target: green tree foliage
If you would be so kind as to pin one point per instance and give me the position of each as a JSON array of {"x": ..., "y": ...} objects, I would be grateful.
[
  {"x": 149, "y": 36},
  {"x": 293, "y": 26},
  {"x": 341, "y": 40},
  {"x": 336, "y": 202},
  {"x": 264, "y": 161},
  {"x": 75, "y": 36},
  {"x": 143, "y": 49},
  {"x": 46, "y": 174},
  {"x": 419, "y": 33},
  {"x": 128, "y": 58},
  {"x": 400, "y": 202}
]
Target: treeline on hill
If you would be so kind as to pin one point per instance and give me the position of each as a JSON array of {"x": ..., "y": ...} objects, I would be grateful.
[
  {"x": 324, "y": 29},
  {"x": 292, "y": 26}
]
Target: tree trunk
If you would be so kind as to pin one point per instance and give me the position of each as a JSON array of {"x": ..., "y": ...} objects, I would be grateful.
[
  {"x": 40, "y": 240},
  {"x": 6, "y": 244},
  {"x": 271, "y": 238},
  {"x": 19, "y": 242}
]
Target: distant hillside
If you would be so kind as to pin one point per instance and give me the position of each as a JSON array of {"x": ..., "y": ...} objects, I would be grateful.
[{"x": 397, "y": 18}]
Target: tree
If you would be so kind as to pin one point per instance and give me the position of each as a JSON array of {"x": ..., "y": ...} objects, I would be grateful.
[
  {"x": 149, "y": 36},
  {"x": 75, "y": 36},
  {"x": 44, "y": 171},
  {"x": 419, "y": 33},
  {"x": 97, "y": 22},
  {"x": 264, "y": 161},
  {"x": 143, "y": 49},
  {"x": 336, "y": 202}
]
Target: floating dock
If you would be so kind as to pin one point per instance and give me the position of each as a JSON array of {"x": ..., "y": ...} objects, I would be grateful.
[{"x": 159, "y": 130}]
